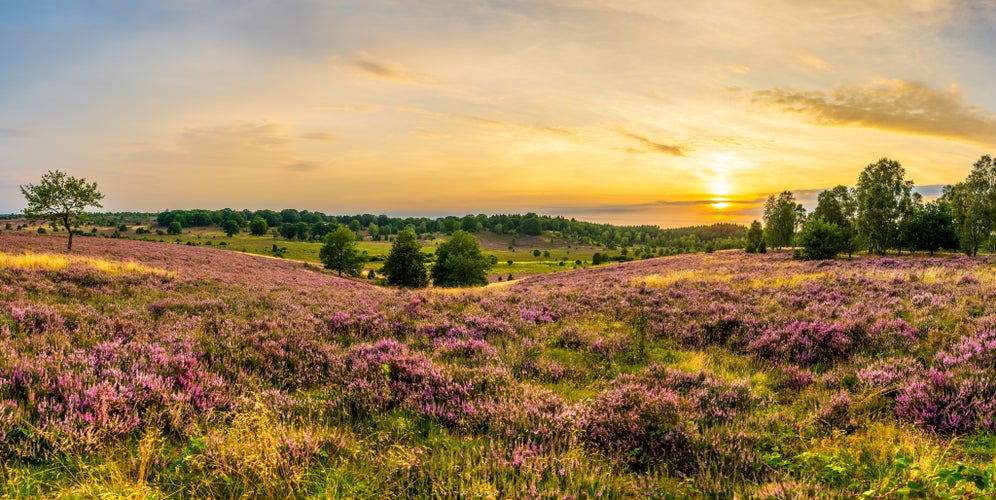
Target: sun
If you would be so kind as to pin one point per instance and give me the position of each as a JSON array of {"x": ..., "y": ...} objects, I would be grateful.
[{"x": 720, "y": 204}]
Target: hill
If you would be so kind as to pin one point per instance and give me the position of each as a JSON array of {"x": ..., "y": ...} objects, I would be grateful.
[{"x": 183, "y": 371}]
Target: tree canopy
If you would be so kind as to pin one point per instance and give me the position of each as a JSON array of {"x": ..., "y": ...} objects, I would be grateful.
[
  {"x": 755, "y": 239},
  {"x": 973, "y": 206},
  {"x": 339, "y": 252},
  {"x": 460, "y": 262},
  {"x": 61, "y": 198},
  {"x": 882, "y": 195},
  {"x": 405, "y": 264},
  {"x": 781, "y": 215}
]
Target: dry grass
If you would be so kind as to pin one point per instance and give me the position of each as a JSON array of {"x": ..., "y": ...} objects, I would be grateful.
[
  {"x": 55, "y": 262},
  {"x": 666, "y": 280}
]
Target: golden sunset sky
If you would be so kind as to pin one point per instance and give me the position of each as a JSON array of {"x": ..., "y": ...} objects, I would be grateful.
[{"x": 640, "y": 112}]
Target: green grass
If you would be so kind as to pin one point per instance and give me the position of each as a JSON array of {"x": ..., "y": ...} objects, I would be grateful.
[{"x": 524, "y": 263}]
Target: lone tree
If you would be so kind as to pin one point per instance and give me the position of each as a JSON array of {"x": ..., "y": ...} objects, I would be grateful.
[
  {"x": 459, "y": 262},
  {"x": 231, "y": 227},
  {"x": 339, "y": 252},
  {"x": 61, "y": 198},
  {"x": 405, "y": 264}
]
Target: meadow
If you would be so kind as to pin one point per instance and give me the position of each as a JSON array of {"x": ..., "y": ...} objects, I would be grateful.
[
  {"x": 556, "y": 254},
  {"x": 150, "y": 370}
]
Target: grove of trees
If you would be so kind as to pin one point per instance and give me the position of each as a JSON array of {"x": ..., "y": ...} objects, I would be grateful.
[
  {"x": 314, "y": 226},
  {"x": 883, "y": 212}
]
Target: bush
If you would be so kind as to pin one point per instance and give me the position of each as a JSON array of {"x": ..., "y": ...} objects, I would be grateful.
[{"x": 819, "y": 240}]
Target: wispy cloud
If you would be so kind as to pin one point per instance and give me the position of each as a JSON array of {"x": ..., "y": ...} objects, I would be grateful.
[
  {"x": 652, "y": 146},
  {"x": 225, "y": 148},
  {"x": 372, "y": 67},
  {"x": 623, "y": 208},
  {"x": 320, "y": 136},
  {"x": 894, "y": 105}
]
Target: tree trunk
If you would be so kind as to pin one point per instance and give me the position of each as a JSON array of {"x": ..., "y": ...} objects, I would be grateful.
[{"x": 69, "y": 246}]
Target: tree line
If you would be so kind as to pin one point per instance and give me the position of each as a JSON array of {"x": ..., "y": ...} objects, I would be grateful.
[
  {"x": 882, "y": 212},
  {"x": 314, "y": 226}
]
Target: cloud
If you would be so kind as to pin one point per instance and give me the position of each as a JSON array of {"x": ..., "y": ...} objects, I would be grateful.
[
  {"x": 652, "y": 146},
  {"x": 304, "y": 166},
  {"x": 229, "y": 148},
  {"x": 320, "y": 136},
  {"x": 893, "y": 105},
  {"x": 360, "y": 109},
  {"x": 624, "y": 208},
  {"x": 378, "y": 69}
]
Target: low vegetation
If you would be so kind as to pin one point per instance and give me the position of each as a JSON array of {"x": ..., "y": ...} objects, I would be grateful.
[{"x": 696, "y": 376}]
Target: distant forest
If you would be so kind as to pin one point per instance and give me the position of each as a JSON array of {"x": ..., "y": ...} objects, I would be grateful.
[{"x": 313, "y": 226}]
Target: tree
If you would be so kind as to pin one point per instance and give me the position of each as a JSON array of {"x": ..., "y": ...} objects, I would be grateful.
[
  {"x": 174, "y": 228},
  {"x": 231, "y": 227},
  {"x": 339, "y": 252},
  {"x": 780, "y": 216},
  {"x": 882, "y": 195},
  {"x": 288, "y": 230},
  {"x": 258, "y": 226},
  {"x": 61, "y": 198},
  {"x": 459, "y": 262},
  {"x": 531, "y": 225},
  {"x": 819, "y": 239},
  {"x": 405, "y": 264},
  {"x": 838, "y": 206},
  {"x": 973, "y": 205},
  {"x": 755, "y": 238},
  {"x": 931, "y": 228},
  {"x": 302, "y": 230}
]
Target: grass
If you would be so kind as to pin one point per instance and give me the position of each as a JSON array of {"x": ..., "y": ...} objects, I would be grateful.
[
  {"x": 54, "y": 262},
  {"x": 261, "y": 337}
]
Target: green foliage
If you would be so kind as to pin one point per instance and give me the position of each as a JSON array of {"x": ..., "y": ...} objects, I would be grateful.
[
  {"x": 780, "y": 217},
  {"x": 405, "y": 265},
  {"x": 973, "y": 206},
  {"x": 339, "y": 253},
  {"x": 755, "y": 238},
  {"x": 930, "y": 228},
  {"x": 882, "y": 195},
  {"x": 531, "y": 225},
  {"x": 60, "y": 198},
  {"x": 459, "y": 262},
  {"x": 819, "y": 239},
  {"x": 259, "y": 226},
  {"x": 174, "y": 228},
  {"x": 838, "y": 206},
  {"x": 231, "y": 227}
]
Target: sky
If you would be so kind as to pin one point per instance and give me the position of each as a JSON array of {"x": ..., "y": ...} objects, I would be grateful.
[{"x": 630, "y": 112}]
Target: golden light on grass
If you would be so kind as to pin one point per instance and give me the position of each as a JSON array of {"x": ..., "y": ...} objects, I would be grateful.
[{"x": 55, "y": 262}]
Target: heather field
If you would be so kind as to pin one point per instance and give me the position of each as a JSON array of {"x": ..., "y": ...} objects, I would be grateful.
[{"x": 149, "y": 370}]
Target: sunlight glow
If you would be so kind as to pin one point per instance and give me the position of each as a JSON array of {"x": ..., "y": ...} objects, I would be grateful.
[{"x": 719, "y": 205}]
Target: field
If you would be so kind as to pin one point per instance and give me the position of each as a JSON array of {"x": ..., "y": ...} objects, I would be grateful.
[
  {"x": 560, "y": 255},
  {"x": 150, "y": 370}
]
